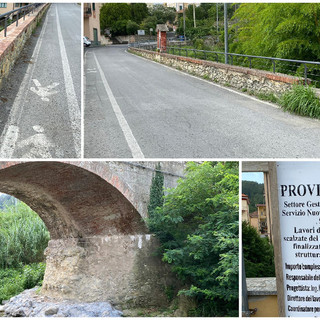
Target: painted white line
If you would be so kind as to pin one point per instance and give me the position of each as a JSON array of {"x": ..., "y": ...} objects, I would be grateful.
[
  {"x": 9, "y": 141},
  {"x": 10, "y": 133},
  {"x": 73, "y": 105},
  {"x": 132, "y": 142}
]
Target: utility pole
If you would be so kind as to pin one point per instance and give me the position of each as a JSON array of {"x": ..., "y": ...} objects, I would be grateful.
[
  {"x": 226, "y": 33},
  {"x": 194, "y": 16},
  {"x": 184, "y": 22},
  {"x": 217, "y": 22}
]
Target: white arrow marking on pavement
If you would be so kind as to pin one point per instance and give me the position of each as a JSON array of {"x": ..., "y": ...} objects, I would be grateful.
[{"x": 44, "y": 92}]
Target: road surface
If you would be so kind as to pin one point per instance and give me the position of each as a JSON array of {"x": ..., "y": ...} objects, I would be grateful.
[
  {"x": 138, "y": 108},
  {"x": 41, "y": 99}
]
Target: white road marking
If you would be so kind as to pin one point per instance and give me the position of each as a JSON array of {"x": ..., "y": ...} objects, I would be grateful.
[
  {"x": 38, "y": 145},
  {"x": 44, "y": 92},
  {"x": 73, "y": 105},
  {"x": 10, "y": 133},
  {"x": 8, "y": 141},
  {"x": 132, "y": 142}
]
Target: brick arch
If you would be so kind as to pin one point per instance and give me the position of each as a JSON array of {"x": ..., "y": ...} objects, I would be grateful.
[{"x": 72, "y": 200}]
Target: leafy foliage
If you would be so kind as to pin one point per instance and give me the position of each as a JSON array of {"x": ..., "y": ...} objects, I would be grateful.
[
  {"x": 301, "y": 100},
  {"x": 23, "y": 236},
  {"x": 158, "y": 14},
  {"x": 198, "y": 230},
  {"x": 115, "y": 16},
  {"x": 257, "y": 252},
  {"x": 283, "y": 30},
  {"x": 132, "y": 27},
  {"x": 162, "y": 13},
  {"x": 14, "y": 281},
  {"x": 138, "y": 12}
]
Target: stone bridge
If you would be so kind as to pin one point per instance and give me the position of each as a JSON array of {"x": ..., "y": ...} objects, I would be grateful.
[{"x": 100, "y": 248}]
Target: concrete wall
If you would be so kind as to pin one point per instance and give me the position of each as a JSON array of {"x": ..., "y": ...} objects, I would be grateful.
[
  {"x": 11, "y": 46},
  {"x": 262, "y": 296},
  {"x": 233, "y": 76}
]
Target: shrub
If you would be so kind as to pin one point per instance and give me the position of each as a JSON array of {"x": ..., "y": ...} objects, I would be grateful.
[
  {"x": 257, "y": 252},
  {"x": 301, "y": 100},
  {"x": 132, "y": 27},
  {"x": 14, "y": 281},
  {"x": 33, "y": 275},
  {"x": 198, "y": 230}
]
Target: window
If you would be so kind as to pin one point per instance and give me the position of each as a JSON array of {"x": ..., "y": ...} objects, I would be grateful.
[
  {"x": 93, "y": 6},
  {"x": 3, "y": 5}
]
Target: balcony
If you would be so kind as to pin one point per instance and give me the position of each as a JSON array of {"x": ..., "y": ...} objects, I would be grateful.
[{"x": 87, "y": 11}]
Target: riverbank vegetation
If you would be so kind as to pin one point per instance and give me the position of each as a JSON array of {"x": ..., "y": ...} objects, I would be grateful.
[
  {"x": 197, "y": 225},
  {"x": 23, "y": 238}
]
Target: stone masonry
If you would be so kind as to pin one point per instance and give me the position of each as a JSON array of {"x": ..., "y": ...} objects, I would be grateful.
[
  {"x": 100, "y": 247},
  {"x": 11, "y": 46},
  {"x": 233, "y": 76}
]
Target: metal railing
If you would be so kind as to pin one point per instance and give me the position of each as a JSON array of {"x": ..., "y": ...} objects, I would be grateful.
[
  {"x": 308, "y": 70},
  {"x": 12, "y": 16}
]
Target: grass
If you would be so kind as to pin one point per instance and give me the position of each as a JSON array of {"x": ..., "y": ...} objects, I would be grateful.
[
  {"x": 23, "y": 236},
  {"x": 267, "y": 97},
  {"x": 301, "y": 100}
]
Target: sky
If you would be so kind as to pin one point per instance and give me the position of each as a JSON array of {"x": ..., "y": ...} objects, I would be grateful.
[{"x": 253, "y": 176}]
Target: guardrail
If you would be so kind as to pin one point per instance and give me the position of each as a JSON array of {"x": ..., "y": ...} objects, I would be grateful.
[
  {"x": 308, "y": 70},
  {"x": 16, "y": 15}
]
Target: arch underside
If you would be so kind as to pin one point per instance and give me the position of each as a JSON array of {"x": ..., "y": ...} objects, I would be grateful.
[{"x": 72, "y": 202}]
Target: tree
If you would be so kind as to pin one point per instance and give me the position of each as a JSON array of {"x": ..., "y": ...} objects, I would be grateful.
[
  {"x": 114, "y": 16},
  {"x": 132, "y": 27},
  {"x": 255, "y": 191},
  {"x": 162, "y": 13},
  {"x": 198, "y": 230},
  {"x": 283, "y": 30},
  {"x": 257, "y": 253},
  {"x": 148, "y": 23},
  {"x": 139, "y": 11}
]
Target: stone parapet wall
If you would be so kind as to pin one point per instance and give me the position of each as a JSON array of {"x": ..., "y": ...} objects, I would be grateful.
[
  {"x": 120, "y": 269},
  {"x": 11, "y": 46},
  {"x": 233, "y": 76}
]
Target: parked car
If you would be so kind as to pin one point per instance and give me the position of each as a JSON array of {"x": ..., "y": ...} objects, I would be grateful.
[{"x": 86, "y": 42}]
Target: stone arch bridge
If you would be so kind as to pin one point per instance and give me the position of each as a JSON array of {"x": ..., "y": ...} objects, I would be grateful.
[{"x": 100, "y": 248}]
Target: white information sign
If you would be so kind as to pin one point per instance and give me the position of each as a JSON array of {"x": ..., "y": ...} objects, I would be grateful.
[
  {"x": 299, "y": 209},
  {"x": 141, "y": 33}
]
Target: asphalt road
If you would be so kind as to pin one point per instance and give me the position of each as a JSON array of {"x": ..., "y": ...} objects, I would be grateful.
[
  {"x": 138, "y": 108},
  {"x": 40, "y": 102}
]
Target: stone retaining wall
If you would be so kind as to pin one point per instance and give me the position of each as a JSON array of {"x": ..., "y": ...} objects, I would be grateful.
[
  {"x": 233, "y": 76},
  {"x": 120, "y": 269},
  {"x": 11, "y": 46}
]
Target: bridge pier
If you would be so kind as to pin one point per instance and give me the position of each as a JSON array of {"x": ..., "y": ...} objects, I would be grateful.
[{"x": 121, "y": 269}]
